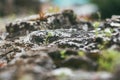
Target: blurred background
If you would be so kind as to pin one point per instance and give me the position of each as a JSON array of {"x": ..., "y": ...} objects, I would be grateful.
[{"x": 82, "y": 7}]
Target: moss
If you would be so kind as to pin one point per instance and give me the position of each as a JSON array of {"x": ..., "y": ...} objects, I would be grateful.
[{"x": 107, "y": 59}]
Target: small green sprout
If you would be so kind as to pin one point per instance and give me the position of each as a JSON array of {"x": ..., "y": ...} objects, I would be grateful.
[
  {"x": 47, "y": 38},
  {"x": 99, "y": 16},
  {"x": 81, "y": 53},
  {"x": 62, "y": 52},
  {"x": 109, "y": 34},
  {"x": 103, "y": 46},
  {"x": 96, "y": 25}
]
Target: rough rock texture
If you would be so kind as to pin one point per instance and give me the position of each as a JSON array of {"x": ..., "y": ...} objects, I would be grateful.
[
  {"x": 31, "y": 67},
  {"x": 67, "y": 19},
  {"x": 19, "y": 62},
  {"x": 68, "y": 58},
  {"x": 40, "y": 45}
]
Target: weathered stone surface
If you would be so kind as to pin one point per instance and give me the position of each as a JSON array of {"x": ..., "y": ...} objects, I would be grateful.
[
  {"x": 61, "y": 20},
  {"x": 53, "y": 35},
  {"x": 11, "y": 52},
  {"x": 72, "y": 59},
  {"x": 18, "y": 28},
  {"x": 57, "y": 40},
  {"x": 23, "y": 62},
  {"x": 115, "y": 39},
  {"x": 26, "y": 70},
  {"x": 113, "y": 22},
  {"x": 84, "y": 44},
  {"x": 64, "y": 20}
]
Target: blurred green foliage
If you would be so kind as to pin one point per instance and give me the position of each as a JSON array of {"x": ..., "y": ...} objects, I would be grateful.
[{"x": 108, "y": 8}]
